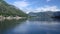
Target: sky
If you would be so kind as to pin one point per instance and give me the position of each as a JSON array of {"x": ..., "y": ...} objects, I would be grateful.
[{"x": 36, "y": 5}]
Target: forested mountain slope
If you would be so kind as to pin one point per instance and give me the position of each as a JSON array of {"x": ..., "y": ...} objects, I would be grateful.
[{"x": 10, "y": 10}]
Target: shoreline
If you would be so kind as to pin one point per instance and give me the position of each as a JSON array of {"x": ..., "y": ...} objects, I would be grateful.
[{"x": 11, "y": 17}]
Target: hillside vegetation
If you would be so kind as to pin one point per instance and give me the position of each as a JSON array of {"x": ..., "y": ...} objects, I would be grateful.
[{"x": 10, "y": 10}]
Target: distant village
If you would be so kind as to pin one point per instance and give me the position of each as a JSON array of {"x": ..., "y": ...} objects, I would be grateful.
[{"x": 11, "y": 17}]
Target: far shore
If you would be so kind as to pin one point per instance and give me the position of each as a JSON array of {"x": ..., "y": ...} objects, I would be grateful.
[{"x": 11, "y": 17}]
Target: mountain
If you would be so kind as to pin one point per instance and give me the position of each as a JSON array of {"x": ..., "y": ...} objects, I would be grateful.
[
  {"x": 47, "y": 15},
  {"x": 56, "y": 15},
  {"x": 42, "y": 16},
  {"x": 10, "y": 10}
]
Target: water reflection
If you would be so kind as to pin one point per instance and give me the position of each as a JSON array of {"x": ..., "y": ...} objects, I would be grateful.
[
  {"x": 9, "y": 24},
  {"x": 37, "y": 28},
  {"x": 34, "y": 27}
]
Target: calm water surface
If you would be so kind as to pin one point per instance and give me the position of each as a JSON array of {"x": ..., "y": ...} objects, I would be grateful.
[{"x": 31, "y": 27}]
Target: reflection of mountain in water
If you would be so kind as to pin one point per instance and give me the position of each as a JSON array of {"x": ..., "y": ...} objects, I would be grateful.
[
  {"x": 35, "y": 27},
  {"x": 40, "y": 19},
  {"x": 8, "y": 24}
]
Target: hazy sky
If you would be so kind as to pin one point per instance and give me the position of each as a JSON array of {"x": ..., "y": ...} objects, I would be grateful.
[{"x": 36, "y": 5}]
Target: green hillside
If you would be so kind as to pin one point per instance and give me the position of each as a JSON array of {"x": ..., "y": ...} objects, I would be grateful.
[{"x": 10, "y": 10}]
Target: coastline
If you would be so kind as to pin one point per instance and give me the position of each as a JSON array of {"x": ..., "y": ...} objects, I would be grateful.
[{"x": 11, "y": 17}]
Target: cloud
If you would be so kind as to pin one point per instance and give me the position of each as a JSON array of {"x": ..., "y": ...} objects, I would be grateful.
[
  {"x": 47, "y": 8},
  {"x": 20, "y": 4},
  {"x": 27, "y": 7},
  {"x": 48, "y": 0},
  {"x": 24, "y": 5},
  {"x": 27, "y": 10}
]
